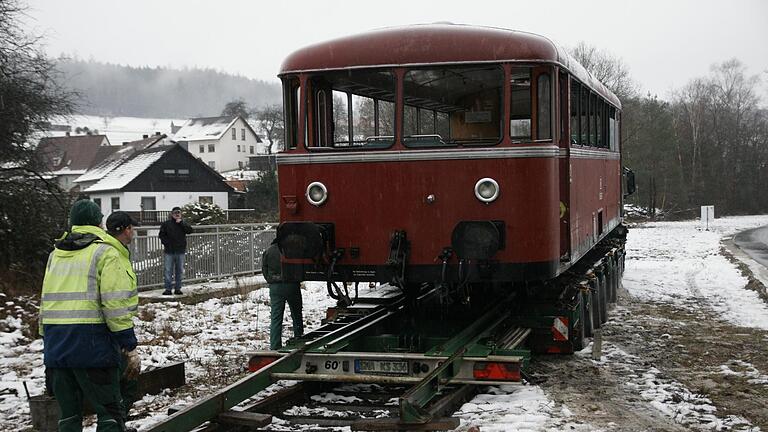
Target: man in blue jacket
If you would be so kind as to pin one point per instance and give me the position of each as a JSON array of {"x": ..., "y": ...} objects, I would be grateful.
[{"x": 88, "y": 303}]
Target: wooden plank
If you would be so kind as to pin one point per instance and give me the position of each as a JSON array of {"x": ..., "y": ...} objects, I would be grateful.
[
  {"x": 243, "y": 418},
  {"x": 389, "y": 424},
  {"x": 154, "y": 381}
]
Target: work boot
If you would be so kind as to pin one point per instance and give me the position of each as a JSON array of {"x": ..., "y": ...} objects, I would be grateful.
[
  {"x": 167, "y": 292},
  {"x": 177, "y": 292}
]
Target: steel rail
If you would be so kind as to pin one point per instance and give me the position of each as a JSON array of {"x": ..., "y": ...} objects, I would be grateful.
[{"x": 209, "y": 407}]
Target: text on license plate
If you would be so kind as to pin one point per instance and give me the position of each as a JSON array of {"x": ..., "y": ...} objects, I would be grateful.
[{"x": 381, "y": 366}]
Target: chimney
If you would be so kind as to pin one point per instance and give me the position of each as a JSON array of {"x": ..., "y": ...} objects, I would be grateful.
[
  {"x": 157, "y": 133},
  {"x": 145, "y": 136},
  {"x": 67, "y": 133},
  {"x": 125, "y": 142}
]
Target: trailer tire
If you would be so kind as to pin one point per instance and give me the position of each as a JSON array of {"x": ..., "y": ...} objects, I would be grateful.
[
  {"x": 603, "y": 294},
  {"x": 586, "y": 318},
  {"x": 594, "y": 303}
]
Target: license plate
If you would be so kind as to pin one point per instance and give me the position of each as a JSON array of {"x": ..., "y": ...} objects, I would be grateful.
[{"x": 393, "y": 367}]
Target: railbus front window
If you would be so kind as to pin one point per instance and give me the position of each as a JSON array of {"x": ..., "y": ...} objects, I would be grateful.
[
  {"x": 544, "y": 108},
  {"x": 353, "y": 109},
  {"x": 291, "y": 106},
  {"x": 450, "y": 106},
  {"x": 520, "y": 109}
]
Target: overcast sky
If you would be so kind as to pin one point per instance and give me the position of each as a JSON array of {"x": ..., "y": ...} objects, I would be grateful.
[{"x": 664, "y": 43}]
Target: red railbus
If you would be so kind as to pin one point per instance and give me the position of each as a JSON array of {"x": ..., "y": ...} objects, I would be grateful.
[{"x": 446, "y": 154}]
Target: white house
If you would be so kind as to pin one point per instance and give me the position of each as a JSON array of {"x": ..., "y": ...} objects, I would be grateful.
[
  {"x": 159, "y": 177},
  {"x": 122, "y": 153},
  {"x": 224, "y": 143}
]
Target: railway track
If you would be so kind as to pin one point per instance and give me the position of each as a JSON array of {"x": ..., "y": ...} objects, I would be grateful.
[
  {"x": 330, "y": 406},
  {"x": 378, "y": 365}
]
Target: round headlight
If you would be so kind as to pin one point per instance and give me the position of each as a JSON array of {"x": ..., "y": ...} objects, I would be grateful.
[
  {"x": 317, "y": 193},
  {"x": 486, "y": 190}
]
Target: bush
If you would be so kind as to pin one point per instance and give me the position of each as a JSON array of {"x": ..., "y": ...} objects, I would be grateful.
[{"x": 203, "y": 214}]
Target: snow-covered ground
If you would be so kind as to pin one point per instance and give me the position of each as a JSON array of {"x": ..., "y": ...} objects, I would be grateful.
[
  {"x": 119, "y": 129},
  {"x": 672, "y": 264}
]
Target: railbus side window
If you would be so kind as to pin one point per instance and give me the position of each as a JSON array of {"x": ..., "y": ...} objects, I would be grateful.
[
  {"x": 520, "y": 109},
  {"x": 599, "y": 121},
  {"x": 612, "y": 131},
  {"x": 454, "y": 105},
  {"x": 291, "y": 106},
  {"x": 592, "y": 122},
  {"x": 544, "y": 107},
  {"x": 584, "y": 120},
  {"x": 575, "y": 99}
]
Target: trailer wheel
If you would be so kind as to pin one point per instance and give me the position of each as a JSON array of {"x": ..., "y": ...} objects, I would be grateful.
[
  {"x": 603, "y": 294},
  {"x": 586, "y": 318},
  {"x": 615, "y": 277},
  {"x": 594, "y": 303}
]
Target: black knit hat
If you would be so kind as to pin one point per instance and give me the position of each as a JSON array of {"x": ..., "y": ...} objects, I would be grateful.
[
  {"x": 120, "y": 220},
  {"x": 85, "y": 212}
]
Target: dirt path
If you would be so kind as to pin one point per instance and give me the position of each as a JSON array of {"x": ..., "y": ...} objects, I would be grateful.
[{"x": 666, "y": 368}]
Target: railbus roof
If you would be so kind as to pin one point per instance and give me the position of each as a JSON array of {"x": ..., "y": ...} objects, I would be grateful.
[{"x": 445, "y": 43}]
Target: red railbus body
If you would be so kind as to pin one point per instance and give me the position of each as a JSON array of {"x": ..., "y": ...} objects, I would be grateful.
[{"x": 444, "y": 153}]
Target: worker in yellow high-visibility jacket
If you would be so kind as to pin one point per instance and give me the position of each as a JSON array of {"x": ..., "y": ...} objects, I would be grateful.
[{"x": 88, "y": 302}]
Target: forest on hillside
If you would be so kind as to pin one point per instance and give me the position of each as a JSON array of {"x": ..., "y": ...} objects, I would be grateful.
[{"x": 107, "y": 89}]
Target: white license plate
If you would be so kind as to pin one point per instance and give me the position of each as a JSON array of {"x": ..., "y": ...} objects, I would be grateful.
[{"x": 394, "y": 367}]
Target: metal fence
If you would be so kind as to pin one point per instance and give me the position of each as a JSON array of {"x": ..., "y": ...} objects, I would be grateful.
[
  {"x": 212, "y": 251},
  {"x": 156, "y": 217}
]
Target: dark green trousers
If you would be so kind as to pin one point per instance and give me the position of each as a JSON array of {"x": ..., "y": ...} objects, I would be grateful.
[
  {"x": 110, "y": 396},
  {"x": 279, "y": 294}
]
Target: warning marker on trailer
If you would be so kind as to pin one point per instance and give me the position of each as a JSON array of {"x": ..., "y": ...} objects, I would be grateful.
[{"x": 560, "y": 329}]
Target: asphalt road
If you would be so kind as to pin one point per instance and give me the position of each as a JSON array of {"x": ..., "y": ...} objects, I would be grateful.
[{"x": 754, "y": 243}]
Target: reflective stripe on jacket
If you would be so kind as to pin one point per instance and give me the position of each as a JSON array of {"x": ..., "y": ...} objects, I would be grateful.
[{"x": 92, "y": 285}]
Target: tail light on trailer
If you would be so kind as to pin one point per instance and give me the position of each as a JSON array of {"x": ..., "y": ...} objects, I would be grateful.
[
  {"x": 496, "y": 371},
  {"x": 258, "y": 362}
]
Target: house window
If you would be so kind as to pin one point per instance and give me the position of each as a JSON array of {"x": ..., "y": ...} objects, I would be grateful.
[
  {"x": 212, "y": 164},
  {"x": 202, "y": 148},
  {"x": 169, "y": 172},
  {"x": 183, "y": 172},
  {"x": 205, "y": 199},
  {"x": 238, "y": 148},
  {"x": 242, "y": 134},
  {"x": 115, "y": 203},
  {"x": 240, "y": 164},
  {"x": 148, "y": 203},
  {"x": 234, "y": 134},
  {"x": 211, "y": 148},
  {"x": 97, "y": 201},
  {"x": 251, "y": 149}
]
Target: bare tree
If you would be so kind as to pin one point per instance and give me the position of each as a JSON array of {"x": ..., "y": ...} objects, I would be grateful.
[
  {"x": 236, "y": 107},
  {"x": 30, "y": 96},
  {"x": 607, "y": 68},
  {"x": 271, "y": 123}
]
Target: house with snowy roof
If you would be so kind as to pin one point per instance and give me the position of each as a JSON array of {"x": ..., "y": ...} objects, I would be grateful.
[
  {"x": 158, "y": 177},
  {"x": 121, "y": 154},
  {"x": 68, "y": 157},
  {"x": 224, "y": 143}
]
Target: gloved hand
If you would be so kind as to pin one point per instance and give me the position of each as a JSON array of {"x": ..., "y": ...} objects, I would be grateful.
[{"x": 133, "y": 364}]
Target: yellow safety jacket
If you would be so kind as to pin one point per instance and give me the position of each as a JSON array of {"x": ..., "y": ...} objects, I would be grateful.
[{"x": 92, "y": 285}]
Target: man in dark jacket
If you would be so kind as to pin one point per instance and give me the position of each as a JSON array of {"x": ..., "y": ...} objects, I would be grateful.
[
  {"x": 88, "y": 303},
  {"x": 173, "y": 235},
  {"x": 279, "y": 293}
]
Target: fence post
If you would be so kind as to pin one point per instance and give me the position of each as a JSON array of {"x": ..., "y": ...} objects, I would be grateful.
[
  {"x": 253, "y": 253},
  {"x": 218, "y": 253}
]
